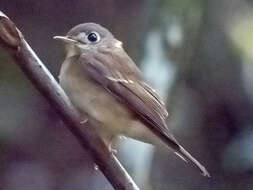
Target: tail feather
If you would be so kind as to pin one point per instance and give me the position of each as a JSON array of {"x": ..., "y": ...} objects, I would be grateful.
[
  {"x": 164, "y": 140},
  {"x": 172, "y": 143},
  {"x": 187, "y": 157}
]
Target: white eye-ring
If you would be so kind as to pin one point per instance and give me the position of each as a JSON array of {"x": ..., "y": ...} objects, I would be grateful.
[{"x": 93, "y": 37}]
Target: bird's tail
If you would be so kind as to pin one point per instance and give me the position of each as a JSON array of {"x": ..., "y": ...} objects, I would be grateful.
[
  {"x": 162, "y": 140},
  {"x": 187, "y": 157},
  {"x": 184, "y": 155}
]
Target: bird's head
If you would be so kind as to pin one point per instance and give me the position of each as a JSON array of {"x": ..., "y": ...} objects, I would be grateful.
[{"x": 87, "y": 37}]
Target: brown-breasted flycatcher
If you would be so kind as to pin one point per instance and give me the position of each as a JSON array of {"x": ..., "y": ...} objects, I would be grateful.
[{"x": 109, "y": 90}]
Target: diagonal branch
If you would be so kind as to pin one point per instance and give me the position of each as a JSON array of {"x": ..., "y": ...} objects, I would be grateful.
[{"x": 27, "y": 60}]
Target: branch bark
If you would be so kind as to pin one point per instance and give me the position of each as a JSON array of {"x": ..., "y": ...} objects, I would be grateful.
[{"x": 27, "y": 60}]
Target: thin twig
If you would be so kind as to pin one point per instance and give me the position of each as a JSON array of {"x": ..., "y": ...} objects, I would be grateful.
[{"x": 42, "y": 79}]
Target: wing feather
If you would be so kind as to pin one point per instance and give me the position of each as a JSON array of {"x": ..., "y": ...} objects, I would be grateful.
[{"x": 124, "y": 80}]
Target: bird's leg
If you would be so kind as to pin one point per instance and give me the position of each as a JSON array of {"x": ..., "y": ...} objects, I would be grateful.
[{"x": 107, "y": 137}]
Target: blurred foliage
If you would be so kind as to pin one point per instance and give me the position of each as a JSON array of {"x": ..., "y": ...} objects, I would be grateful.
[{"x": 242, "y": 36}]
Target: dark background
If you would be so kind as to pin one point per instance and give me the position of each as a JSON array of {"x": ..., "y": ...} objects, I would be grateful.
[{"x": 198, "y": 54}]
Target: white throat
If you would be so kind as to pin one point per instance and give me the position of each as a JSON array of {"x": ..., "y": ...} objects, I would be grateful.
[{"x": 71, "y": 51}]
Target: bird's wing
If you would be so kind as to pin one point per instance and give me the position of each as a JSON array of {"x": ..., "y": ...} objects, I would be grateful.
[{"x": 118, "y": 74}]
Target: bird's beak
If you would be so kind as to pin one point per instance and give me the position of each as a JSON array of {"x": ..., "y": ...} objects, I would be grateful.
[{"x": 65, "y": 39}]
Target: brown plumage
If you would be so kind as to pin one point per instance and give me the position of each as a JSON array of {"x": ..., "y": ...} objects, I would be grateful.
[{"x": 105, "y": 84}]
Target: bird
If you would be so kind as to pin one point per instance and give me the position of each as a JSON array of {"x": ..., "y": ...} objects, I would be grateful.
[{"x": 110, "y": 92}]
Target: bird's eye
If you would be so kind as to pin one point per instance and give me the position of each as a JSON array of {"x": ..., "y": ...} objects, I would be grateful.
[{"x": 93, "y": 37}]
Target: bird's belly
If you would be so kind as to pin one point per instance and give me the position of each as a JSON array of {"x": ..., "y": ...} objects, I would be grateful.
[{"x": 96, "y": 102}]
